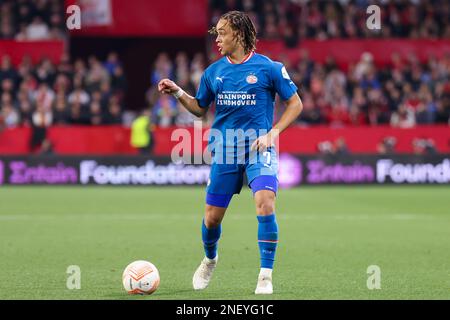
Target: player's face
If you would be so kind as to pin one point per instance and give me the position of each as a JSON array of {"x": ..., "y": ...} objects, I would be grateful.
[{"x": 226, "y": 38}]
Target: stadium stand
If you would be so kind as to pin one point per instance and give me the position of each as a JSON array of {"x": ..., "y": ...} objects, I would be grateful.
[
  {"x": 406, "y": 92},
  {"x": 294, "y": 21}
]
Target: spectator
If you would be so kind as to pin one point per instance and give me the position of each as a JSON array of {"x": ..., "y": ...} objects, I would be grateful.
[
  {"x": 182, "y": 68},
  {"x": 340, "y": 147},
  {"x": 163, "y": 68},
  {"x": 112, "y": 62},
  {"x": 119, "y": 82},
  {"x": 95, "y": 111},
  {"x": 25, "y": 108},
  {"x": 403, "y": 118},
  {"x": 46, "y": 147},
  {"x": 197, "y": 68},
  {"x": 22, "y": 35},
  {"x": 336, "y": 148},
  {"x": 10, "y": 117},
  {"x": 310, "y": 114},
  {"x": 325, "y": 148},
  {"x": 7, "y": 86},
  {"x": 424, "y": 146},
  {"x": 96, "y": 75},
  {"x": 45, "y": 72},
  {"x": 443, "y": 111},
  {"x": 337, "y": 115},
  {"x": 7, "y": 71},
  {"x": 114, "y": 113},
  {"x": 60, "y": 110},
  {"x": 387, "y": 145},
  {"x": 141, "y": 133},
  {"x": 184, "y": 118},
  {"x": 56, "y": 27},
  {"x": 105, "y": 94},
  {"x": 42, "y": 118},
  {"x": 37, "y": 30},
  {"x": 364, "y": 66},
  {"x": 165, "y": 111},
  {"x": 78, "y": 114},
  {"x": 44, "y": 96},
  {"x": 79, "y": 95}
]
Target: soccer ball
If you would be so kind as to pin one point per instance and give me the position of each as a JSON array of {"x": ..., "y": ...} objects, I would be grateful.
[{"x": 140, "y": 277}]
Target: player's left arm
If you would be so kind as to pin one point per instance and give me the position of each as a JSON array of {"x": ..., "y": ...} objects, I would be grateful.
[{"x": 294, "y": 107}]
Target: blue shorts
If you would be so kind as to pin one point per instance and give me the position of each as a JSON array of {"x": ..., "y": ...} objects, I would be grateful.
[{"x": 227, "y": 179}]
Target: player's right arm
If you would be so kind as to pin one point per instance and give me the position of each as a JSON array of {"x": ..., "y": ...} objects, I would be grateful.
[{"x": 190, "y": 103}]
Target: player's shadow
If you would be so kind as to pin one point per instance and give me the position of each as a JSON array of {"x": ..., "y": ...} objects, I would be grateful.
[{"x": 125, "y": 296}]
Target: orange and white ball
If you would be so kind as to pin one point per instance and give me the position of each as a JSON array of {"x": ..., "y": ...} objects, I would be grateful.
[{"x": 140, "y": 277}]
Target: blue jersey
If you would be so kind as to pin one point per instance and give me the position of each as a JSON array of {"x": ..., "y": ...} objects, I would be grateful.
[{"x": 244, "y": 93}]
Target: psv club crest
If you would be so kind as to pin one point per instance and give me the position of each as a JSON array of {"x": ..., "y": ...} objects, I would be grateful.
[{"x": 252, "y": 79}]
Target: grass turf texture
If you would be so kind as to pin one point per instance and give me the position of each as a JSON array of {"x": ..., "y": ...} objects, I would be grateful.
[{"x": 328, "y": 238}]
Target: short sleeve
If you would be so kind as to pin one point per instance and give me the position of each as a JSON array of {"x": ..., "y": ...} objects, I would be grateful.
[
  {"x": 204, "y": 93},
  {"x": 283, "y": 84}
]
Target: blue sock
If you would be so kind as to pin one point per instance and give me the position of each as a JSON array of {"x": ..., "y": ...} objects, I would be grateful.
[
  {"x": 267, "y": 239},
  {"x": 210, "y": 238}
]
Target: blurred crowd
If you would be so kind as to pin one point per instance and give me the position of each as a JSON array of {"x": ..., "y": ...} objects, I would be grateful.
[
  {"x": 402, "y": 94},
  {"x": 44, "y": 94},
  {"x": 386, "y": 146},
  {"x": 32, "y": 20},
  {"x": 294, "y": 20},
  {"x": 186, "y": 72}
]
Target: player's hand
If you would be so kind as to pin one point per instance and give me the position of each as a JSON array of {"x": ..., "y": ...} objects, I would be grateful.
[
  {"x": 167, "y": 86},
  {"x": 263, "y": 142}
]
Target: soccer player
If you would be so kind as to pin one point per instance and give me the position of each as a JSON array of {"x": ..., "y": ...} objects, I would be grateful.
[{"x": 243, "y": 85}]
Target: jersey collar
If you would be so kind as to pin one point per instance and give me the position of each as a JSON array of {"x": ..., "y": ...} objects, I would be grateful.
[{"x": 247, "y": 57}]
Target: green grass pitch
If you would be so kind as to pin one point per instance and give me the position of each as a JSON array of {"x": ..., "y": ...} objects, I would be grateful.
[{"x": 329, "y": 236}]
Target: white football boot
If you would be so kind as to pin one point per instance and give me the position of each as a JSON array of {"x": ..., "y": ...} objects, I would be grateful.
[
  {"x": 264, "y": 285},
  {"x": 204, "y": 272}
]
